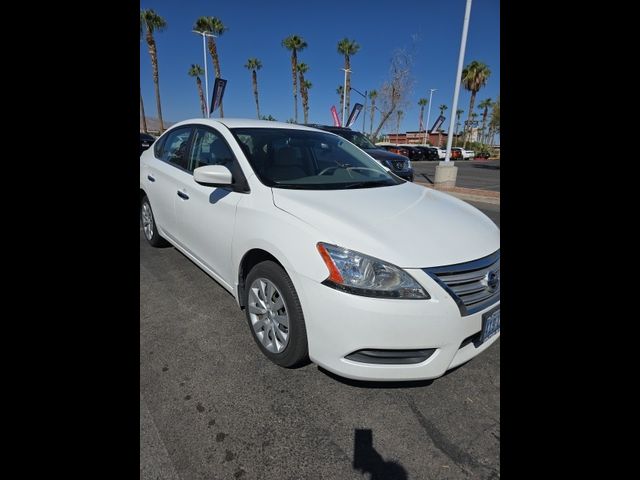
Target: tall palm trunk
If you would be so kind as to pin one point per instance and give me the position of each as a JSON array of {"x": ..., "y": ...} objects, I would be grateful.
[
  {"x": 213, "y": 50},
  {"x": 203, "y": 102},
  {"x": 305, "y": 99},
  {"x": 468, "y": 127},
  {"x": 373, "y": 112},
  {"x": 294, "y": 70},
  {"x": 484, "y": 122},
  {"x": 305, "y": 104},
  {"x": 347, "y": 66},
  {"x": 254, "y": 80},
  {"x": 156, "y": 83},
  {"x": 144, "y": 119},
  {"x": 421, "y": 116}
]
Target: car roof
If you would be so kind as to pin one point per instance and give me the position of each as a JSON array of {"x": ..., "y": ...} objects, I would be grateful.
[
  {"x": 244, "y": 123},
  {"x": 328, "y": 127}
]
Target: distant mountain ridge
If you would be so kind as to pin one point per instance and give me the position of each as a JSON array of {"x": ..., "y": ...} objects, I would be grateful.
[{"x": 153, "y": 124}]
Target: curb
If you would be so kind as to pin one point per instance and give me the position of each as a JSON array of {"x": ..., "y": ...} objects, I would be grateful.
[{"x": 470, "y": 194}]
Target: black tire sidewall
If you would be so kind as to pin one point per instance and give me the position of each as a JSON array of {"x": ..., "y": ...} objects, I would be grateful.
[
  {"x": 296, "y": 352},
  {"x": 156, "y": 240}
]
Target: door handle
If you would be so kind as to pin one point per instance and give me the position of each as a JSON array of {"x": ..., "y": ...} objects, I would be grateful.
[
  {"x": 150, "y": 178},
  {"x": 183, "y": 195}
]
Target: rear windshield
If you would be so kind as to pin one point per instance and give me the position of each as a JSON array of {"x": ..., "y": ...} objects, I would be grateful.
[{"x": 308, "y": 160}]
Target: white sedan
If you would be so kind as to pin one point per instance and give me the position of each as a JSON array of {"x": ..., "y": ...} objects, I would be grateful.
[{"x": 333, "y": 258}]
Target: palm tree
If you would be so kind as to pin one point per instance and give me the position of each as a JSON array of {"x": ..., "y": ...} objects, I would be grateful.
[
  {"x": 196, "y": 71},
  {"x": 340, "y": 92},
  {"x": 305, "y": 85},
  {"x": 268, "y": 117},
  {"x": 152, "y": 22},
  {"x": 347, "y": 48},
  {"x": 458, "y": 113},
  {"x": 295, "y": 43},
  {"x": 422, "y": 102},
  {"x": 474, "y": 115},
  {"x": 254, "y": 65},
  {"x": 302, "y": 69},
  {"x": 474, "y": 77},
  {"x": 400, "y": 114},
  {"x": 484, "y": 105},
  {"x": 494, "y": 123},
  {"x": 442, "y": 107},
  {"x": 372, "y": 96},
  {"x": 214, "y": 26},
  {"x": 144, "y": 119}
]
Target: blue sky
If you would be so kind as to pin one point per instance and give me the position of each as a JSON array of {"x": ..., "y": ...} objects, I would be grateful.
[{"x": 256, "y": 29}]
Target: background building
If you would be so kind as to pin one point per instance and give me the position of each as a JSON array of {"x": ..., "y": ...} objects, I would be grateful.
[{"x": 417, "y": 137}]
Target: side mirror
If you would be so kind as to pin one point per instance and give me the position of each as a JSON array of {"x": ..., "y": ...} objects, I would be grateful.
[{"x": 213, "y": 176}]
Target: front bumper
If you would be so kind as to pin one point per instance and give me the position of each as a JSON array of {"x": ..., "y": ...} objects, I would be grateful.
[{"x": 339, "y": 324}]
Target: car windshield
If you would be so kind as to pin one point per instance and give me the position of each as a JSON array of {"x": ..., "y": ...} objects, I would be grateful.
[
  {"x": 308, "y": 160},
  {"x": 358, "y": 139}
]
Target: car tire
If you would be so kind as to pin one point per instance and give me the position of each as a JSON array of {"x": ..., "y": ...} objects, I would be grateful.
[
  {"x": 149, "y": 227},
  {"x": 268, "y": 285}
]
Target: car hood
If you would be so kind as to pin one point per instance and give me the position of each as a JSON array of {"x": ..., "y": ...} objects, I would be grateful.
[
  {"x": 380, "y": 154},
  {"x": 408, "y": 225}
]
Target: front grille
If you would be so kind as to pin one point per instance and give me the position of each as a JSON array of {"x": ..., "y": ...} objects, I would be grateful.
[{"x": 473, "y": 285}]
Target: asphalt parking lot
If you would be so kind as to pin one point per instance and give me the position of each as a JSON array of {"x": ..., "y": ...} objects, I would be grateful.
[
  {"x": 212, "y": 407},
  {"x": 484, "y": 175}
]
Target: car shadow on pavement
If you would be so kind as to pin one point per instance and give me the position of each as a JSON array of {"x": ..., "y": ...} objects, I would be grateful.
[
  {"x": 490, "y": 167},
  {"x": 367, "y": 460}
]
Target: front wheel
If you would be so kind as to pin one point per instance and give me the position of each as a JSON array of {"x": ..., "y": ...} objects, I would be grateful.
[
  {"x": 275, "y": 315},
  {"x": 149, "y": 224}
]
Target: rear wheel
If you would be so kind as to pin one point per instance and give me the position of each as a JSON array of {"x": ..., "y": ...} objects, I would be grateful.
[{"x": 275, "y": 315}]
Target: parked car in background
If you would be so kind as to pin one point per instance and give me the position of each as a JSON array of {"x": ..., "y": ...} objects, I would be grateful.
[
  {"x": 464, "y": 154},
  {"x": 146, "y": 141},
  {"x": 392, "y": 147},
  {"x": 430, "y": 153},
  {"x": 332, "y": 258},
  {"x": 415, "y": 154},
  {"x": 400, "y": 164}
]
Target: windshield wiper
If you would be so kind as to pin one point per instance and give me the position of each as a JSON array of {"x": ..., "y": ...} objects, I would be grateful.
[{"x": 365, "y": 184}]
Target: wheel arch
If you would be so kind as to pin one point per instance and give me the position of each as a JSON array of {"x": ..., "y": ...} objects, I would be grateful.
[{"x": 249, "y": 260}]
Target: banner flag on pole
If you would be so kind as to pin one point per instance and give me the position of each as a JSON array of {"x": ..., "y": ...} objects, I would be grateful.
[
  {"x": 437, "y": 124},
  {"x": 218, "y": 92},
  {"x": 357, "y": 108},
  {"x": 336, "y": 119}
]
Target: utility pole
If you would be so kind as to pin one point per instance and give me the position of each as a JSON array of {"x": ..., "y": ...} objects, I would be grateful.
[{"x": 446, "y": 172}]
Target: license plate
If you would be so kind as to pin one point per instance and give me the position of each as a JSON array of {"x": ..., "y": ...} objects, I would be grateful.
[{"x": 490, "y": 324}]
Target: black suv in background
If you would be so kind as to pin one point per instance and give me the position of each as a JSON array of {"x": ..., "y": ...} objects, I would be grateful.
[
  {"x": 398, "y": 164},
  {"x": 430, "y": 153},
  {"x": 145, "y": 141}
]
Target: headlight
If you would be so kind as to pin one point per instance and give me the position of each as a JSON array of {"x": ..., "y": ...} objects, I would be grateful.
[
  {"x": 409, "y": 163},
  {"x": 360, "y": 274}
]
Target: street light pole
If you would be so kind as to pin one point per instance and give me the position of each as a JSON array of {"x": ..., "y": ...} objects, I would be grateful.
[
  {"x": 344, "y": 93},
  {"x": 426, "y": 128},
  {"x": 204, "y": 57},
  {"x": 364, "y": 113},
  {"x": 456, "y": 91}
]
